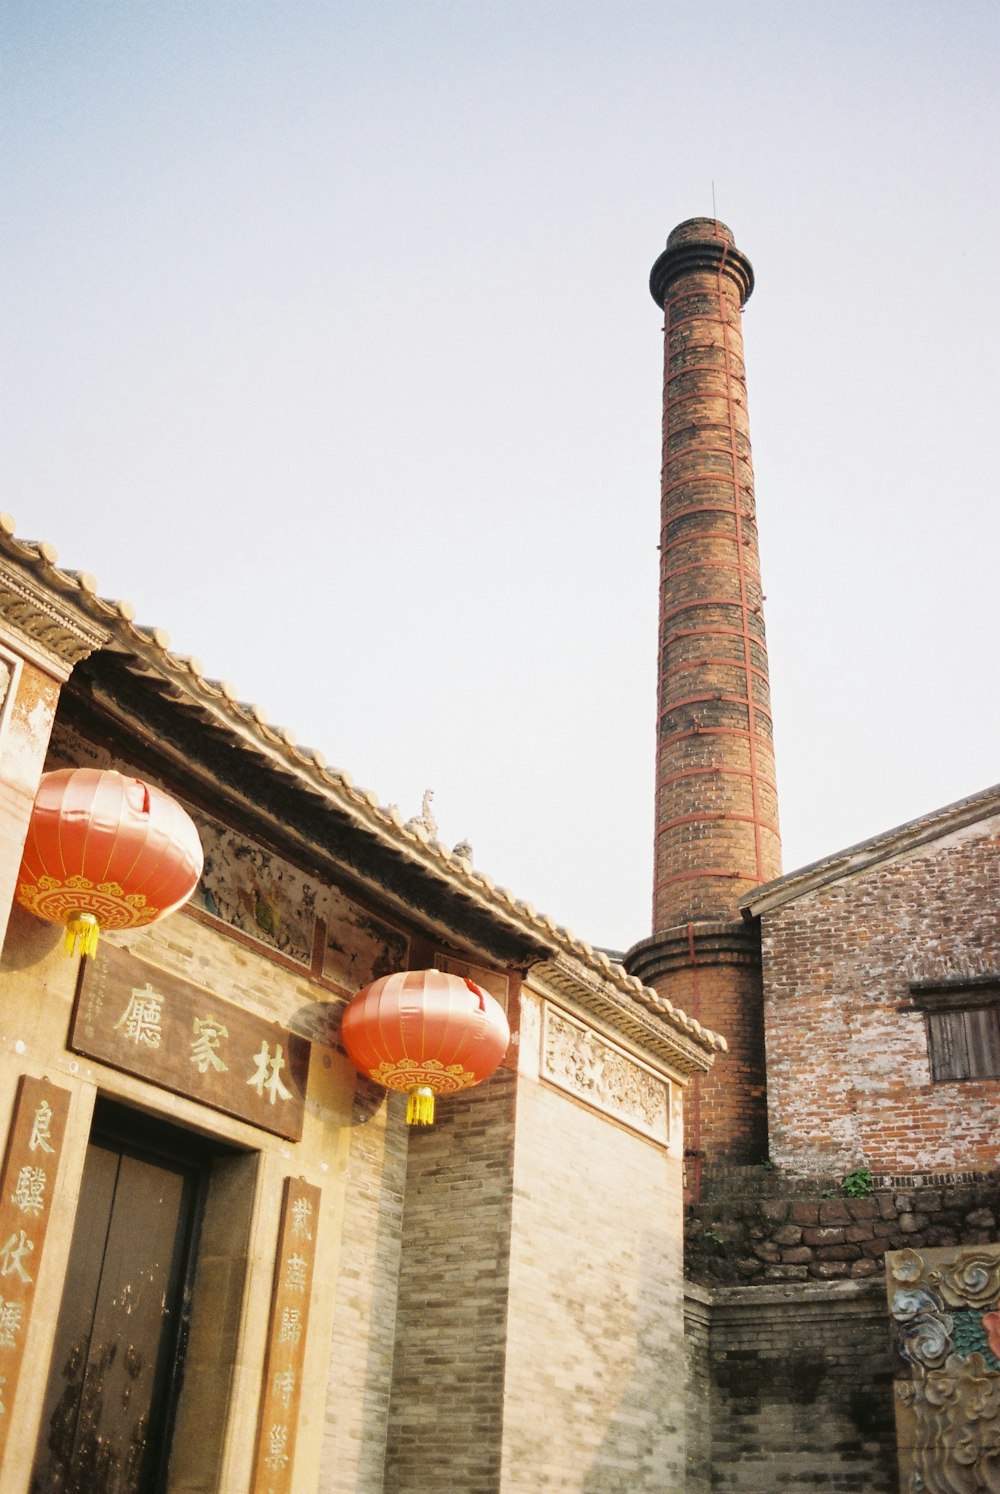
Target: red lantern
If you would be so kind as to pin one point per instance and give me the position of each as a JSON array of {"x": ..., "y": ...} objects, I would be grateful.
[
  {"x": 105, "y": 851},
  {"x": 427, "y": 1033}
]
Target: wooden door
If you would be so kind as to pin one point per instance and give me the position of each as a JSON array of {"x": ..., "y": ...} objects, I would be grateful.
[{"x": 117, "y": 1359}]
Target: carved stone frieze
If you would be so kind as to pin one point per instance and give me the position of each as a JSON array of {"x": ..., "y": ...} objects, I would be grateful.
[
  {"x": 584, "y": 1064},
  {"x": 944, "y": 1308},
  {"x": 56, "y": 631}
]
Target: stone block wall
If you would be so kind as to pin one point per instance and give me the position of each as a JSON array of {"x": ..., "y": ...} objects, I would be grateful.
[
  {"x": 815, "y": 1232},
  {"x": 849, "y": 1079}
]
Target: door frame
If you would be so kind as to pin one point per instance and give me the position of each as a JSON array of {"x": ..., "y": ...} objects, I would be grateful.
[{"x": 146, "y": 1136}]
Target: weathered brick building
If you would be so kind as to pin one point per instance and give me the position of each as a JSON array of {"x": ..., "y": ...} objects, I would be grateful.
[
  {"x": 856, "y": 1112},
  {"x": 882, "y": 1000},
  {"x": 881, "y": 1011},
  {"x": 477, "y": 1306},
  {"x": 498, "y": 1304}
]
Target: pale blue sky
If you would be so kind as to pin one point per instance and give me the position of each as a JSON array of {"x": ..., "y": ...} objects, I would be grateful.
[{"x": 329, "y": 345}]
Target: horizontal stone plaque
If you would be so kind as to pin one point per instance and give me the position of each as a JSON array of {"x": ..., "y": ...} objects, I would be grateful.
[{"x": 148, "y": 1022}]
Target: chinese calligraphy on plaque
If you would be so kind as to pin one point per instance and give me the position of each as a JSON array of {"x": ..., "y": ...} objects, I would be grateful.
[
  {"x": 149, "y": 1022},
  {"x": 26, "y": 1184},
  {"x": 293, "y": 1273}
]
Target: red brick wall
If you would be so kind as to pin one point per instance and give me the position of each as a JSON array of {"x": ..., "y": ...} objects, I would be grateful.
[
  {"x": 848, "y": 1071},
  {"x": 716, "y": 810},
  {"x": 716, "y": 813},
  {"x": 712, "y": 972},
  {"x": 729, "y": 1121}
]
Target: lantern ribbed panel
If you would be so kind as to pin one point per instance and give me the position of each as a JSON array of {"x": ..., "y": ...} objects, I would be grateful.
[
  {"x": 107, "y": 845},
  {"x": 425, "y": 1028}
]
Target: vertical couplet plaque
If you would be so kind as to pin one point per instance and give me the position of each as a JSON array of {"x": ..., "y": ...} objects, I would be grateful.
[
  {"x": 34, "y": 1147},
  {"x": 286, "y": 1340}
]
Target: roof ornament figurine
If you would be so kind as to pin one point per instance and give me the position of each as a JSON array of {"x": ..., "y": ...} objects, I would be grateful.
[
  {"x": 424, "y": 821},
  {"x": 462, "y": 852}
]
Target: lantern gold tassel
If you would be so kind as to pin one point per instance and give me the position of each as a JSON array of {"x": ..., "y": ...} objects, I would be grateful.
[
  {"x": 420, "y": 1107},
  {"x": 82, "y": 930}
]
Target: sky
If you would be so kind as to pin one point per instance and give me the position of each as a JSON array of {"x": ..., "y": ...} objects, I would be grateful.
[{"x": 329, "y": 345}]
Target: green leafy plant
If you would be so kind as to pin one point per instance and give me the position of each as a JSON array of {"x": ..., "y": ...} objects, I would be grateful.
[
  {"x": 858, "y": 1183},
  {"x": 713, "y": 1237}
]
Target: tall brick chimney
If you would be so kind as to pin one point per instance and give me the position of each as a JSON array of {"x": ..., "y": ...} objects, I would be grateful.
[{"x": 716, "y": 805}]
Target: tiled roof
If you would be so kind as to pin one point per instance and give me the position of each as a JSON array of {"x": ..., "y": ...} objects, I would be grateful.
[
  {"x": 148, "y": 649},
  {"x": 900, "y": 841}
]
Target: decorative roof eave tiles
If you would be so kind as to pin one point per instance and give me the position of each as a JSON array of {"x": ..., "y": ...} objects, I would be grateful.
[
  {"x": 639, "y": 1015},
  {"x": 51, "y": 631},
  {"x": 571, "y": 961},
  {"x": 900, "y": 841}
]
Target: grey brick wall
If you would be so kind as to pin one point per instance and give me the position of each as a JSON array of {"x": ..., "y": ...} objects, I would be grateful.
[
  {"x": 801, "y": 1392},
  {"x": 539, "y": 1339},
  {"x": 595, "y": 1354},
  {"x": 698, "y": 1390},
  {"x": 364, "y": 1326},
  {"x": 448, "y": 1371}
]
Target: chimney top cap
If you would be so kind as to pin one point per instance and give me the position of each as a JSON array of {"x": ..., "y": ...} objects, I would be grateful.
[
  {"x": 697, "y": 230},
  {"x": 700, "y": 244}
]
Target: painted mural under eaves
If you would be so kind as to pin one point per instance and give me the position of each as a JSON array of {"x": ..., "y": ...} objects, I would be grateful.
[{"x": 264, "y": 897}]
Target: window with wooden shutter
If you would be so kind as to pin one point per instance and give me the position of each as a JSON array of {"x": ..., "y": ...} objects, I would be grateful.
[{"x": 963, "y": 1027}]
